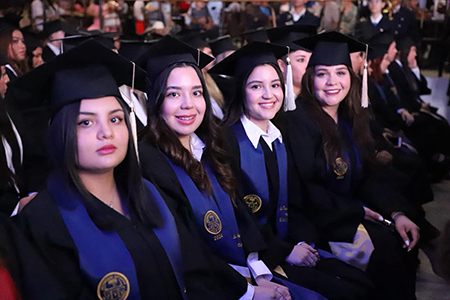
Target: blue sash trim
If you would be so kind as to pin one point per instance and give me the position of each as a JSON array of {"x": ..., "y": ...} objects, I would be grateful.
[
  {"x": 298, "y": 292},
  {"x": 168, "y": 237},
  {"x": 100, "y": 252},
  {"x": 255, "y": 181},
  {"x": 223, "y": 236}
]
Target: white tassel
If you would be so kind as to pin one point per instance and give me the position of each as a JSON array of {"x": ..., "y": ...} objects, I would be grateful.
[
  {"x": 364, "y": 90},
  {"x": 133, "y": 115},
  {"x": 289, "y": 101}
]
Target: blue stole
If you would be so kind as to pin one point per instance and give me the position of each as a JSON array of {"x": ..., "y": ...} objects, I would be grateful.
[
  {"x": 96, "y": 260},
  {"x": 214, "y": 216},
  {"x": 254, "y": 177}
]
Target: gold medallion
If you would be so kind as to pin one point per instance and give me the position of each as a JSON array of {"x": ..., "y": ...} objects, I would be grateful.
[
  {"x": 341, "y": 167},
  {"x": 212, "y": 222},
  {"x": 113, "y": 286},
  {"x": 254, "y": 202}
]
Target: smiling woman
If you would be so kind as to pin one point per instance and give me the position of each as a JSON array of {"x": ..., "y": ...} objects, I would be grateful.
[{"x": 96, "y": 196}]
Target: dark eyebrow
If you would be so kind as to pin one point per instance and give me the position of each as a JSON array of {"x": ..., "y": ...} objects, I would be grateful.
[
  {"x": 173, "y": 88},
  {"x": 253, "y": 81},
  {"x": 197, "y": 87},
  {"x": 94, "y": 114}
]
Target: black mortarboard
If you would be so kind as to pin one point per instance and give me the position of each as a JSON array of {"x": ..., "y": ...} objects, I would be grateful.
[
  {"x": 286, "y": 35},
  {"x": 404, "y": 44},
  {"x": 221, "y": 45},
  {"x": 193, "y": 39},
  {"x": 331, "y": 48},
  {"x": 241, "y": 62},
  {"x": 88, "y": 71},
  {"x": 169, "y": 51},
  {"x": 132, "y": 50},
  {"x": 2, "y": 60},
  {"x": 32, "y": 41},
  {"x": 259, "y": 34},
  {"x": 104, "y": 38},
  {"x": 9, "y": 22},
  {"x": 52, "y": 27},
  {"x": 380, "y": 44}
]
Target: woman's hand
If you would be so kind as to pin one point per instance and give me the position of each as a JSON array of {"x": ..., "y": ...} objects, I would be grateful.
[
  {"x": 384, "y": 157},
  {"x": 403, "y": 225},
  {"x": 270, "y": 290},
  {"x": 407, "y": 117},
  {"x": 303, "y": 255},
  {"x": 371, "y": 215}
]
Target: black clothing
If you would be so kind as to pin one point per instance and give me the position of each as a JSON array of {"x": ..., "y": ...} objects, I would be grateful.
[
  {"x": 227, "y": 85},
  {"x": 333, "y": 203},
  {"x": 331, "y": 277},
  {"x": 406, "y": 25},
  {"x": 365, "y": 30},
  {"x": 42, "y": 223},
  {"x": 48, "y": 54},
  {"x": 308, "y": 18},
  {"x": 157, "y": 169},
  {"x": 29, "y": 273}
]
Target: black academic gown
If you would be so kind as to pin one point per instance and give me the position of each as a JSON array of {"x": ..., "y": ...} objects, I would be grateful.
[
  {"x": 28, "y": 271},
  {"x": 406, "y": 25},
  {"x": 365, "y": 30},
  {"x": 42, "y": 223},
  {"x": 333, "y": 204},
  {"x": 157, "y": 169},
  {"x": 331, "y": 277},
  {"x": 48, "y": 54},
  {"x": 308, "y": 18}
]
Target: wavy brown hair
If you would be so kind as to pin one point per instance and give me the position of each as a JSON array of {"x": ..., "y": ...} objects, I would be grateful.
[
  {"x": 163, "y": 137},
  {"x": 377, "y": 75},
  {"x": 350, "y": 111},
  {"x": 21, "y": 67}
]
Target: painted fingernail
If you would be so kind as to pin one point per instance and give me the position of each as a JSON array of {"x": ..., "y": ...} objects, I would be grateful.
[
  {"x": 380, "y": 218},
  {"x": 407, "y": 243}
]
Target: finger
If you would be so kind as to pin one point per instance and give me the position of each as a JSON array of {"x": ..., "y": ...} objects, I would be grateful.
[
  {"x": 415, "y": 238},
  {"x": 404, "y": 237},
  {"x": 314, "y": 258}
]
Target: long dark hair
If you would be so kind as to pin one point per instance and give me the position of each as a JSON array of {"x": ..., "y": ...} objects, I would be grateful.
[
  {"x": 350, "y": 111},
  {"x": 410, "y": 77},
  {"x": 237, "y": 107},
  {"x": 21, "y": 67},
  {"x": 62, "y": 141},
  {"x": 163, "y": 137}
]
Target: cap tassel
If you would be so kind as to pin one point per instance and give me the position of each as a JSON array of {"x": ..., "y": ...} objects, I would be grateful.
[
  {"x": 364, "y": 91},
  {"x": 289, "y": 101},
  {"x": 133, "y": 115}
]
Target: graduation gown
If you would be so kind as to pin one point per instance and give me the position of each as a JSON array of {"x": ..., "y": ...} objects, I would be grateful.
[
  {"x": 20, "y": 263},
  {"x": 43, "y": 223},
  {"x": 334, "y": 204},
  {"x": 156, "y": 168},
  {"x": 48, "y": 54},
  {"x": 331, "y": 277}
]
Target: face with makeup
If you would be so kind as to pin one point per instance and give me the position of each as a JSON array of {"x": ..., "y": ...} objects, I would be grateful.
[
  {"x": 331, "y": 84},
  {"x": 102, "y": 135},
  {"x": 264, "y": 95},
  {"x": 184, "y": 106},
  {"x": 17, "y": 49}
]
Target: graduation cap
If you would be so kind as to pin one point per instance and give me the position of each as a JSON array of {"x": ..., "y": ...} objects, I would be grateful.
[
  {"x": 104, "y": 38},
  {"x": 88, "y": 71},
  {"x": 248, "y": 57},
  {"x": 286, "y": 35},
  {"x": 9, "y": 22},
  {"x": 331, "y": 48},
  {"x": 334, "y": 48},
  {"x": 221, "y": 45},
  {"x": 132, "y": 50},
  {"x": 52, "y": 27},
  {"x": 259, "y": 34},
  {"x": 380, "y": 44},
  {"x": 168, "y": 51},
  {"x": 194, "y": 39},
  {"x": 404, "y": 44}
]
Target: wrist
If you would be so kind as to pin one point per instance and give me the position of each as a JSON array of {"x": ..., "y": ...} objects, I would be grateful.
[{"x": 396, "y": 215}]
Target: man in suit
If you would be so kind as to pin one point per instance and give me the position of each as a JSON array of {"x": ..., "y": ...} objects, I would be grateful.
[
  {"x": 298, "y": 15},
  {"x": 54, "y": 33}
]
